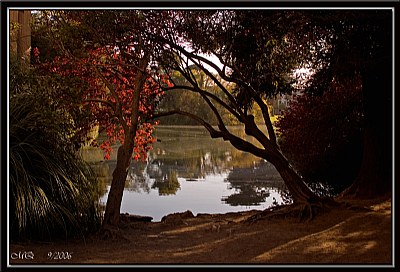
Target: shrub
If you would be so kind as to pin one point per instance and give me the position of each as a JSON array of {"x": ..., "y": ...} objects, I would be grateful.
[
  {"x": 322, "y": 135},
  {"x": 52, "y": 190}
]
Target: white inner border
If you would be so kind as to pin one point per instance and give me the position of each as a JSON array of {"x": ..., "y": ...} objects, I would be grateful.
[{"x": 199, "y": 8}]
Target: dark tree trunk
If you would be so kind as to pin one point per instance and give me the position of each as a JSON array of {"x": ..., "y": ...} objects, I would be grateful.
[
  {"x": 114, "y": 199},
  {"x": 306, "y": 204},
  {"x": 375, "y": 176},
  {"x": 295, "y": 184},
  {"x": 298, "y": 189},
  {"x": 124, "y": 155}
]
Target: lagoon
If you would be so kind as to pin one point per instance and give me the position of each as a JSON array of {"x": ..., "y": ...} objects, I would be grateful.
[{"x": 188, "y": 170}]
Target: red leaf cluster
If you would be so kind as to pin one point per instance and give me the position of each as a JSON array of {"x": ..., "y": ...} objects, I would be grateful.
[
  {"x": 105, "y": 82},
  {"x": 322, "y": 133}
]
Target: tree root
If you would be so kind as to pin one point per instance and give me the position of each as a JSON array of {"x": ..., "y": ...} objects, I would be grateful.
[
  {"x": 111, "y": 233},
  {"x": 303, "y": 211}
]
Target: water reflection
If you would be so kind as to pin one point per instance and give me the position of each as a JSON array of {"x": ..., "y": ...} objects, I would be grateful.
[
  {"x": 254, "y": 184},
  {"x": 167, "y": 184},
  {"x": 186, "y": 166}
]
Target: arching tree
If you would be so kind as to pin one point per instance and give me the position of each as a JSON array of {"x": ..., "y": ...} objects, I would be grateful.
[
  {"x": 260, "y": 49},
  {"x": 255, "y": 58}
]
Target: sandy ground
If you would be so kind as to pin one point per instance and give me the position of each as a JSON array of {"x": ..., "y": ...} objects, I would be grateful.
[{"x": 342, "y": 236}]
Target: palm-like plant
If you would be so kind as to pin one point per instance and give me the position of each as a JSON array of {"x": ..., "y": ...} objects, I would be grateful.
[{"x": 52, "y": 190}]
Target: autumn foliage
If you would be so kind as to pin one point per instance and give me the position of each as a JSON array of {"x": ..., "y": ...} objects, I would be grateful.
[
  {"x": 104, "y": 80},
  {"x": 322, "y": 133}
]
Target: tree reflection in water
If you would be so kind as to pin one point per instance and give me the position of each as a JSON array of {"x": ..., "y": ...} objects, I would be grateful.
[
  {"x": 168, "y": 184},
  {"x": 188, "y": 154},
  {"x": 254, "y": 184}
]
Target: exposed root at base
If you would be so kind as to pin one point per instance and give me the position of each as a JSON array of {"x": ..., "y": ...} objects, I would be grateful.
[
  {"x": 305, "y": 211},
  {"x": 111, "y": 233}
]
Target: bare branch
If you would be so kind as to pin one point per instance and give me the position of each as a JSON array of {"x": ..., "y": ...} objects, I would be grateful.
[
  {"x": 217, "y": 82},
  {"x": 222, "y": 87},
  {"x": 196, "y": 60},
  {"x": 242, "y": 116}
]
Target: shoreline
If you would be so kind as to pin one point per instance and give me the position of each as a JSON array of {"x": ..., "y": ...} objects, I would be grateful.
[{"x": 341, "y": 236}]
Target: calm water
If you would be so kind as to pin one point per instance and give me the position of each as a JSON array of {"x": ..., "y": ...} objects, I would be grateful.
[{"x": 187, "y": 170}]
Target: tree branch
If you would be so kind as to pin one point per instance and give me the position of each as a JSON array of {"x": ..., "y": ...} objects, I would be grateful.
[
  {"x": 108, "y": 103},
  {"x": 193, "y": 58},
  {"x": 237, "y": 142},
  {"x": 139, "y": 84},
  {"x": 213, "y": 96},
  {"x": 118, "y": 109},
  {"x": 267, "y": 119},
  {"x": 214, "y": 133}
]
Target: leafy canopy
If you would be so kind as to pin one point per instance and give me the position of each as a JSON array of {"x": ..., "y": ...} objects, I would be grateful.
[{"x": 99, "y": 54}]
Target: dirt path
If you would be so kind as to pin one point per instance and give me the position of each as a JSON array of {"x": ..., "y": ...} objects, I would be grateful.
[{"x": 341, "y": 236}]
